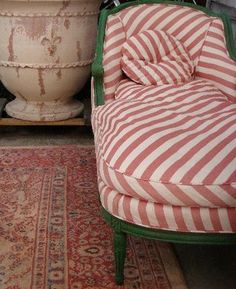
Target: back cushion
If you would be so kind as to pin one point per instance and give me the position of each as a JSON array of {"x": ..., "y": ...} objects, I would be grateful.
[
  {"x": 154, "y": 57},
  {"x": 187, "y": 24}
]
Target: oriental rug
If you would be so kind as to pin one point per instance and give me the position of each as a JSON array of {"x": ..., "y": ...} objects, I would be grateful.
[{"x": 52, "y": 235}]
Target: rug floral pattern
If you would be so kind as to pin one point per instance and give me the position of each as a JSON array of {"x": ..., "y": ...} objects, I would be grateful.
[{"x": 52, "y": 235}]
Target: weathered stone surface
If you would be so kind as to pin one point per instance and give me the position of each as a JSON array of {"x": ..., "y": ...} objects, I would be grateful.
[{"x": 46, "y": 52}]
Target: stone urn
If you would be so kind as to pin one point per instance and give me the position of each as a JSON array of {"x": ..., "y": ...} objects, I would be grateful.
[{"x": 46, "y": 51}]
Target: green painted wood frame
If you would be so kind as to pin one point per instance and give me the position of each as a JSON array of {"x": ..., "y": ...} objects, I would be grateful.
[{"x": 122, "y": 228}]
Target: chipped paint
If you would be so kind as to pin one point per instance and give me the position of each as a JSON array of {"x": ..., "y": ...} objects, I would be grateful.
[
  {"x": 41, "y": 82},
  {"x": 18, "y": 72},
  {"x": 51, "y": 44},
  {"x": 33, "y": 28},
  {"x": 59, "y": 74},
  {"x": 42, "y": 45},
  {"x": 40, "y": 106},
  {"x": 67, "y": 23},
  {"x": 78, "y": 49},
  {"x": 11, "y": 46},
  {"x": 65, "y": 4}
]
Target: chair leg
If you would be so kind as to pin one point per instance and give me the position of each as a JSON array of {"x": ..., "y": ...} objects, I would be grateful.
[{"x": 120, "y": 253}]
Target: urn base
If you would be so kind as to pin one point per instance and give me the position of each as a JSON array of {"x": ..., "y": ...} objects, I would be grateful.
[{"x": 44, "y": 111}]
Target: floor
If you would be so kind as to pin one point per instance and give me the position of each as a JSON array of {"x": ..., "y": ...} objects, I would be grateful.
[
  {"x": 42, "y": 135},
  {"x": 208, "y": 267},
  {"x": 204, "y": 267}
]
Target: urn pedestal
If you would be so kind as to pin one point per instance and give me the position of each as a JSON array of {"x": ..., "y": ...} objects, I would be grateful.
[{"x": 46, "y": 51}]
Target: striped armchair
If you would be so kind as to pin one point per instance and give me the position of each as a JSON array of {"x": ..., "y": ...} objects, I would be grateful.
[{"x": 166, "y": 148}]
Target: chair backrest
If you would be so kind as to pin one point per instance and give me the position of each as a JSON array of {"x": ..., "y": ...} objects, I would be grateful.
[{"x": 187, "y": 23}]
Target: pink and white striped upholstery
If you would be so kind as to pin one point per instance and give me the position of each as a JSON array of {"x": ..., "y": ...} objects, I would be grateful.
[
  {"x": 214, "y": 63},
  {"x": 154, "y": 57},
  {"x": 166, "y": 155},
  {"x": 169, "y": 147},
  {"x": 186, "y": 24}
]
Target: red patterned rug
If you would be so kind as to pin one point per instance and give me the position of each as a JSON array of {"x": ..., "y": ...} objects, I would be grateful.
[{"x": 52, "y": 235}]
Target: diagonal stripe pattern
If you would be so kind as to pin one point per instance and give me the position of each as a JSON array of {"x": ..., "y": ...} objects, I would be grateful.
[
  {"x": 186, "y": 24},
  {"x": 214, "y": 63},
  {"x": 166, "y": 155},
  {"x": 170, "y": 147}
]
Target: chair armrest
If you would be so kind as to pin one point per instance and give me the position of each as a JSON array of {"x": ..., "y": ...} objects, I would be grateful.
[
  {"x": 217, "y": 61},
  {"x": 97, "y": 84},
  {"x": 106, "y": 67}
]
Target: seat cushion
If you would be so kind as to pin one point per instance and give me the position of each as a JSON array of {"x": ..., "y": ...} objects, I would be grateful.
[
  {"x": 167, "y": 217},
  {"x": 155, "y": 57},
  {"x": 169, "y": 145}
]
